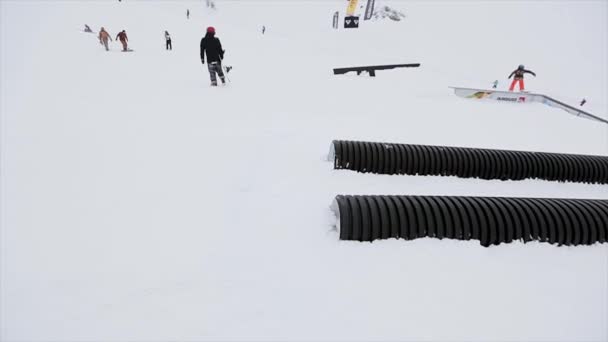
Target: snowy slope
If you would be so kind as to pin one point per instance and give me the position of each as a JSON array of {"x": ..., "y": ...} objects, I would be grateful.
[{"x": 138, "y": 203}]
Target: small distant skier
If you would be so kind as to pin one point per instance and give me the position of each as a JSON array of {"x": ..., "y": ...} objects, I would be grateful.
[
  {"x": 263, "y": 29},
  {"x": 188, "y": 13},
  {"x": 104, "y": 36},
  {"x": 519, "y": 77},
  {"x": 211, "y": 46},
  {"x": 122, "y": 36},
  {"x": 495, "y": 84},
  {"x": 168, "y": 41},
  {"x": 87, "y": 28},
  {"x": 583, "y": 102}
]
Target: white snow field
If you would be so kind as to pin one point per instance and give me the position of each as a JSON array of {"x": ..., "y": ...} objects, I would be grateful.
[{"x": 141, "y": 204}]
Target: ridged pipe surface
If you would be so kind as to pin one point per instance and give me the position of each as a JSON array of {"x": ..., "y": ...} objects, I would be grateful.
[
  {"x": 386, "y": 158},
  {"x": 491, "y": 220}
]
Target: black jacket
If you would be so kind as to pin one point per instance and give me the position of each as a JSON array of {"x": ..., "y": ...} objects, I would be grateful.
[
  {"x": 212, "y": 47},
  {"x": 519, "y": 73}
]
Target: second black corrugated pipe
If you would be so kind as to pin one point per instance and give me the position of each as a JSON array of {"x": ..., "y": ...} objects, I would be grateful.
[{"x": 491, "y": 220}]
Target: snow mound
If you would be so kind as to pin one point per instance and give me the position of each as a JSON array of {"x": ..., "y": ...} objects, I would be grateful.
[{"x": 384, "y": 12}]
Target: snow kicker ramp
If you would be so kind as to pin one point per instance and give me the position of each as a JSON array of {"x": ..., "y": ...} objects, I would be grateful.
[
  {"x": 514, "y": 97},
  {"x": 491, "y": 220},
  {"x": 386, "y": 158}
]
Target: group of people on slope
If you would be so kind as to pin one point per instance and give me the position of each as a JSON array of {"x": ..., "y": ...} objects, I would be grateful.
[
  {"x": 104, "y": 38},
  {"x": 211, "y": 47}
]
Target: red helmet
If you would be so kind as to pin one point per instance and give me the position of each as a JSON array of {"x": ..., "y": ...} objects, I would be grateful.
[{"x": 210, "y": 29}]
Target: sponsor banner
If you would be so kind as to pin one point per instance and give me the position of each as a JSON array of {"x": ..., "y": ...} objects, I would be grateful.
[
  {"x": 503, "y": 96},
  {"x": 352, "y": 6},
  {"x": 351, "y": 22},
  {"x": 369, "y": 10}
]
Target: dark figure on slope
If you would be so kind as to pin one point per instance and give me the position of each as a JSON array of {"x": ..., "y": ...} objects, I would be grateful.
[
  {"x": 122, "y": 36},
  {"x": 168, "y": 41},
  {"x": 519, "y": 77},
  {"x": 211, "y": 46},
  {"x": 188, "y": 14},
  {"x": 87, "y": 29},
  {"x": 104, "y": 36}
]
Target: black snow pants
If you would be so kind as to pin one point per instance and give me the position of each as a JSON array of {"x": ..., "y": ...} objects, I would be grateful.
[{"x": 169, "y": 46}]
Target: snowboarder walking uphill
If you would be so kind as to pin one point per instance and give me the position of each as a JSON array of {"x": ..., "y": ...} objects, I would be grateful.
[
  {"x": 211, "y": 46},
  {"x": 519, "y": 77},
  {"x": 168, "y": 41},
  {"x": 122, "y": 36},
  {"x": 103, "y": 38}
]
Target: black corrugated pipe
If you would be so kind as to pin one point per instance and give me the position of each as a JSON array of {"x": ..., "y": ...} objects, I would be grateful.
[
  {"x": 491, "y": 220},
  {"x": 425, "y": 160}
]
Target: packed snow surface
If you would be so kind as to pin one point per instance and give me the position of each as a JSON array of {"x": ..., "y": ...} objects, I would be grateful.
[{"x": 139, "y": 203}]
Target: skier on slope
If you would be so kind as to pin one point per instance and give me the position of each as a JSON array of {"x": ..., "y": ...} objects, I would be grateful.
[
  {"x": 103, "y": 38},
  {"x": 519, "y": 77},
  {"x": 168, "y": 44},
  {"x": 211, "y": 46},
  {"x": 122, "y": 36}
]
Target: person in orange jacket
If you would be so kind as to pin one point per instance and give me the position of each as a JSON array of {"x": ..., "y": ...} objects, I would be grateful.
[
  {"x": 103, "y": 38},
  {"x": 122, "y": 36}
]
